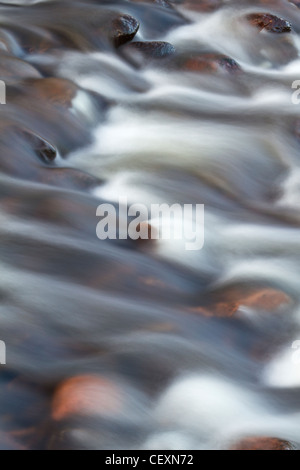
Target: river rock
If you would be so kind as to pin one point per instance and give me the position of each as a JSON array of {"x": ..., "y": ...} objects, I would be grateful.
[
  {"x": 13, "y": 68},
  {"x": 208, "y": 63},
  {"x": 86, "y": 395},
  {"x": 124, "y": 28},
  {"x": 69, "y": 178},
  {"x": 57, "y": 91},
  {"x": 261, "y": 443},
  {"x": 141, "y": 53},
  {"x": 227, "y": 302},
  {"x": 46, "y": 151},
  {"x": 268, "y": 22}
]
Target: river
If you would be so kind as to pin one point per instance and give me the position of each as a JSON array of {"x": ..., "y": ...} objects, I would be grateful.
[{"x": 142, "y": 344}]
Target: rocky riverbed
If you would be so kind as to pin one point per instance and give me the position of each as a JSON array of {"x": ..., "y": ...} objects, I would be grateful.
[{"x": 141, "y": 344}]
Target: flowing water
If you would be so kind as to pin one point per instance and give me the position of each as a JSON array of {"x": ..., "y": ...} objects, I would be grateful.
[{"x": 123, "y": 344}]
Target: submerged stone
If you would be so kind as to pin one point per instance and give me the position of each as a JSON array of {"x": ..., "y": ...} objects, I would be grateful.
[
  {"x": 153, "y": 49},
  {"x": 208, "y": 63},
  {"x": 261, "y": 443},
  {"x": 141, "y": 53},
  {"x": 45, "y": 151}
]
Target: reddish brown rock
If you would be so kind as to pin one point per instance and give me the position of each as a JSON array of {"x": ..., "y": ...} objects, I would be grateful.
[
  {"x": 220, "y": 309},
  {"x": 85, "y": 395},
  {"x": 271, "y": 23},
  {"x": 266, "y": 299},
  {"x": 57, "y": 91},
  {"x": 228, "y": 302},
  {"x": 208, "y": 63},
  {"x": 261, "y": 443}
]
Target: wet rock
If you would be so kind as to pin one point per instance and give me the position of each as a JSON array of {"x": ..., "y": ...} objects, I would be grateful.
[
  {"x": 267, "y": 299},
  {"x": 229, "y": 64},
  {"x": 85, "y": 395},
  {"x": 59, "y": 110},
  {"x": 261, "y": 443},
  {"x": 219, "y": 309},
  {"x": 46, "y": 151},
  {"x": 12, "y": 68},
  {"x": 124, "y": 28},
  {"x": 57, "y": 91},
  {"x": 155, "y": 19},
  {"x": 153, "y": 49},
  {"x": 208, "y": 63},
  {"x": 23, "y": 40},
  {"x": 271, "y": 23},
  {"x": 227, "y": 302},
  {"x": 69, "y": 178},
  {"x": 141, "y": 53}
]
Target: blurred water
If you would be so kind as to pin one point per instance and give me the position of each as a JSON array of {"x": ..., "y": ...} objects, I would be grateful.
[{"x": 194, "y": 349}]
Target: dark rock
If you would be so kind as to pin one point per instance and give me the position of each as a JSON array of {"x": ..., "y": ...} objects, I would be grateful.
[
  {"x": 140, "y": 53},
  {"x": 229, "y": 64},
  {"x": 155, "y": 19},
  {"x": 153, "y": 49},
  {"x": 124, "y": 28},
  {"x": 46, "y": 152},
  {"x": 272, "y": 23}
]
